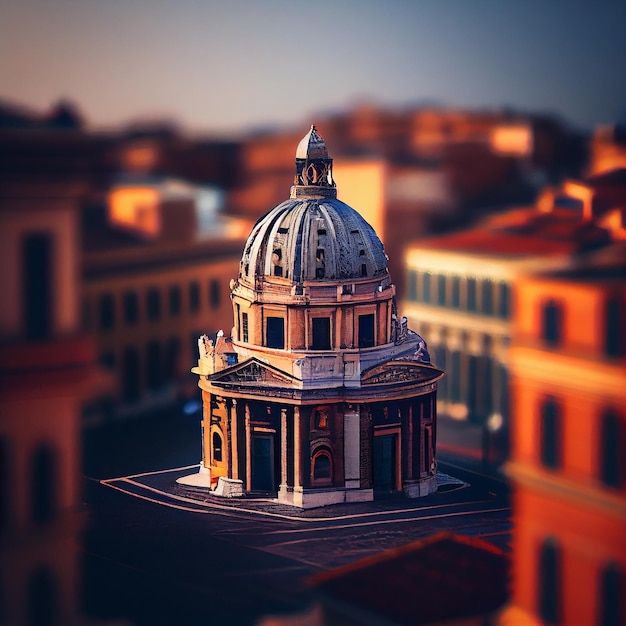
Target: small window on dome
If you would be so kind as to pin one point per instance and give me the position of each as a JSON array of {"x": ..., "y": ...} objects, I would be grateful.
[
  {"x": 363, "y": 270},
  {"x": 361, "y": 252},
  {"x": 321, "y": 231},
  {"x": 283, "y": 231}
]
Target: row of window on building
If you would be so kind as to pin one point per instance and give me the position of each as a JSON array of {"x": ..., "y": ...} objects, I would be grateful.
[
  {"x": 550, "y": 586},
  {"x": 478, "y": 381},
  {"x": 155, "y": 301},
  {"x": 465, "y": 293},
  {"x": 151, "y": 369},
  {"x": 611, "y": 442},
  {"x": 553, "y": 324}
]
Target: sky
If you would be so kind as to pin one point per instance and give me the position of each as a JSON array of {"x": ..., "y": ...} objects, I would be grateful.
[{"x": 229, "y": 66}]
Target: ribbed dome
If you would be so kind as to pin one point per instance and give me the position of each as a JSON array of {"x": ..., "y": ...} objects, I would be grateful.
[{"x": 313, "y": 238}]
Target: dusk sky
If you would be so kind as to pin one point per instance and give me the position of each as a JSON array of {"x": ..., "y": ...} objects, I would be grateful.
[{"x": 235, "y": 65}]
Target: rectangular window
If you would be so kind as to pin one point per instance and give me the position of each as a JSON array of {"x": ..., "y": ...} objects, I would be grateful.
[
  {"x": 131, "y": 308},
  {"x": 549, "y": 583},
  {"x": 426, "y": 288},
  {"x": 552, "y": 322},
  {"x": 194, "y": 296},
  {"x": 504, "y": 304},
  {"x": 214, "y": 293},
  {"x": 154, "y": 304},
  {"x": 441, "y": 290},
  {"x": 487, "y": 297},
  {"x": 321, "y": 333},
  {"x": 611, "y": 446},
  {"x": 37, "y": 286},
  {"x": 107, "y": 312},
  {"x": 275, "y": 333},
  {"x": 471, "y": 294},
  {"x": 174, "y": 297},
  {"x": 366, "y": 330},
  {"x": 244, "y": 327},
  {"x": 455, "y": 295}
]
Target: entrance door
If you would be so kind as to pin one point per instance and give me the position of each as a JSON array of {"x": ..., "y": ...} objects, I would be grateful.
[
  {"x": 385, "y": 463},
  {"x": 263, "y": 463}
]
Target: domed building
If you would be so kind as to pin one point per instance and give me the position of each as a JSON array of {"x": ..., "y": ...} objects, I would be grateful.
[{"x": 322, "y": 394}]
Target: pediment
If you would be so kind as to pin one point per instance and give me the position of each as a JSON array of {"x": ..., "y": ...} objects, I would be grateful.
[
  {"x": 252, "y": 372},
  {"x": 393, "y": 372}
]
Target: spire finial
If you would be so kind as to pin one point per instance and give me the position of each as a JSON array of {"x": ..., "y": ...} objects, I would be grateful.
[{"x": 314, "y": 175}]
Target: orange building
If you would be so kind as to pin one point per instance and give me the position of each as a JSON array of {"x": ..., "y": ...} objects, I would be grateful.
[
  {"x": 568, "y": 368},
  {"x": 47, "y": 372},
  {"x": 155, "y": 276}
]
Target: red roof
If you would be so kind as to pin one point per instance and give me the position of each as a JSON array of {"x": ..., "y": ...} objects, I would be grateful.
[{"x": 443, "y": 577}]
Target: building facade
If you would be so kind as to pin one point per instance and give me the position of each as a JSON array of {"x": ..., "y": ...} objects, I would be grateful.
[
  {"x": 322, "y": 394},
  {"x": 568, "y": 367},
  {"x": 48, "y": 370}
]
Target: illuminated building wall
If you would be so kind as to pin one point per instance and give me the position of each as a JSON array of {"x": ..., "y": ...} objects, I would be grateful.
[
  {"x": 47, "y": 372},
  {"x": 568, "y": 366}
]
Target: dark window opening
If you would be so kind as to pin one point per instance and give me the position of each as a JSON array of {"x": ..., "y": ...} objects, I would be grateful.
[
  {"x": 244, "y": 327},
  {"x": 321, "y": 333},
  {"x": 214, "y": 293},
  {"x": 321, "y": 231},
  {"x": 552, "y": 322},
  {"x": 549, "y": 579},
  {"x": 283, "y": 231},
  {"x": 441, "y": 290},
  {"x": 426, "y": 288},
  {"x": 471, "y": 294},
  {"x": 611, "y": 601},
  {"x": 217, "y": 447},
  {"x": 321, "y": 466},
  {"x": 275, "y": 330},
  {"x": 487, "y": 297},
  {"x": 366, "y": 330},
  {"x": 455, "y": 284},
  {"x": 361, "y": 252},
  {"x": 154, "y": 304},
  {"x": 363, "y": 270},
  {"x": 611, "y": 446},
  {"x": 37, "y": 286},
  {"x": 505, "y": 301}
]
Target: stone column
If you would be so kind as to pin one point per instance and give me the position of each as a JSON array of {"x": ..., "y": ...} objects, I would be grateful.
[
  {"x": 234, "y": 440},
  {"x": 283, "y": 449},
  {"x": 297, "y": 449},
  {"x": 352, "y": 449},
  {"x": 227, "y": 443},
  {"x": 248, "y": 449}
]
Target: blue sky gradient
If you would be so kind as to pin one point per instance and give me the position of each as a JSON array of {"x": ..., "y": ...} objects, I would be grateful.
[{"x": 230, "y": 66}]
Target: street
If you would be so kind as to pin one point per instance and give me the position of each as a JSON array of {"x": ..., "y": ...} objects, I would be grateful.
[{"x": 155, "y": 554}]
